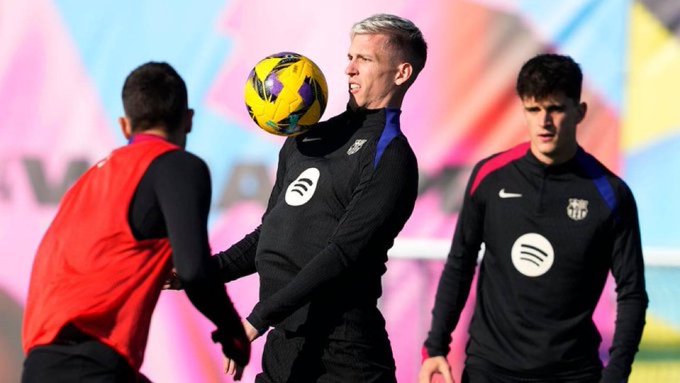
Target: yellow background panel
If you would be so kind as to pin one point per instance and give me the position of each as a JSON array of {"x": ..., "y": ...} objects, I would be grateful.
[
  {"x": 653, "y": 110},
  {"x": 659, "y": 357}
]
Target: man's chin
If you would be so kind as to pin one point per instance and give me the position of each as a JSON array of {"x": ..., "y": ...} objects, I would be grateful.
[{"x": 546, "y": 147}]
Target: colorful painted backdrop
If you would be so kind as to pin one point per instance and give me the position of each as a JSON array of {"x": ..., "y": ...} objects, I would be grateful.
[{"x": 63, "y": 62}]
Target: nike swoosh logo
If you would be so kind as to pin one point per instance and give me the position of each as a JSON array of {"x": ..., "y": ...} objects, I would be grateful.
[
  {"x": 310, "y": 139},
  {"x": 503, "y": 194}
]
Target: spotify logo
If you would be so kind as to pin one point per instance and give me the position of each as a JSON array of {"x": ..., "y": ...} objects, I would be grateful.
[
  {"x": 302, "y": 189},
  {"x": 532, "y": 255}
]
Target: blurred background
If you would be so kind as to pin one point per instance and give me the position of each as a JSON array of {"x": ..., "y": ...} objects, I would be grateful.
[{"x": 63, "y": 63}]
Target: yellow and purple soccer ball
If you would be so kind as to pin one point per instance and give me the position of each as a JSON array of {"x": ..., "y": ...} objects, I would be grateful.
[{"x": 286, "y": 93}]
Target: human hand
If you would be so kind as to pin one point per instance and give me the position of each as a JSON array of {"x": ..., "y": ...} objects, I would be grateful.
[
  {"x": 236, "y": 350},
  {"x": 435, "y": 365},
  {"x": 251, "y": 332},
  {"x": 173, "y": 282},
  {"x": 230, "y": 366}
]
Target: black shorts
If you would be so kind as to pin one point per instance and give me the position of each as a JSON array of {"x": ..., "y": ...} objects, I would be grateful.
[
  {"x": 477, "y": 375},
  {"x": 353, "y": 352},
  {"x": 85, "y": 360}
]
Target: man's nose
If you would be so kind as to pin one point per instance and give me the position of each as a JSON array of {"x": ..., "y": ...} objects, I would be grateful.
[
  {"x": 547, "y": 118},
  {"x": 350, "y": 69}
]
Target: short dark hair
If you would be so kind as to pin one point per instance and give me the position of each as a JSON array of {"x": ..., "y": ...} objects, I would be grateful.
[
  {"x": 154, "y": 94},
  {"x": 547, "y": 74}
]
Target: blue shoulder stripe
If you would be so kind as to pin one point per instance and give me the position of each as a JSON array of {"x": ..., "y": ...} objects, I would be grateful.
[
  {"x": 597, "y": 173},
  {"x": 392, "y": 130}
]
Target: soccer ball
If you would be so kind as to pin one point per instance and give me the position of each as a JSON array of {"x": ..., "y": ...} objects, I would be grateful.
[{"x": 286, "y": 93}]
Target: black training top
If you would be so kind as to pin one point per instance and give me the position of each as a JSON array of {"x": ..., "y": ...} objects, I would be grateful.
[
  {"x": 173, "y": 200},
  {"x": 551, "y": 235},
  {"x": 343, "y": 192}
]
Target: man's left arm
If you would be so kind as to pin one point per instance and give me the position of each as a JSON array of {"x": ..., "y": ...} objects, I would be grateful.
[
  {"x": 628, "y": 271},
  {"x": 381, "y": 204}
]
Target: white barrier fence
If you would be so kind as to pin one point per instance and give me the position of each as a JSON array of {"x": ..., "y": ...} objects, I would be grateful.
[{"x": 438, "y": 249}]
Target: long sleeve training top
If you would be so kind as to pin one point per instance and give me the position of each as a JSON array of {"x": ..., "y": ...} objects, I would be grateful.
[
  {"x": 343, "y": 192},
  {"x": 551, "y": 235}
]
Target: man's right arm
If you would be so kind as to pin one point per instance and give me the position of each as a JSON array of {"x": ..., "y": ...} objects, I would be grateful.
[{"x": 456, "y": 280}]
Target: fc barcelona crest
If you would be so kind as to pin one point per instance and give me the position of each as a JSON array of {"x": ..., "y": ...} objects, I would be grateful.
[
  {"x": 577, "y": 209},
  {"x": 355, "y": 146}
]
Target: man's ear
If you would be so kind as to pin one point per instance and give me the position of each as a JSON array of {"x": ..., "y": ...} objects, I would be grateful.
[
  {"x": 404, "y": 73},
  {"x": 125, "y": 127},
  {"x": 189, "y": 121},
  {"x": 582, "y": 110}
]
